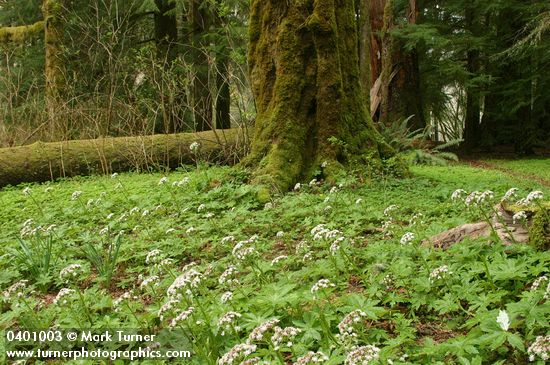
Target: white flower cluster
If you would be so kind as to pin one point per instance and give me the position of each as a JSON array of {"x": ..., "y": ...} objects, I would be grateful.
[
  {"x": 178, "y": 184},
  {"x": 75, "y": 195},
  {"x": 311, "y": 358},
  {"x": 163, "y": 180},
  {"x": 118, "y": 301},
  {"x": 278, "y": 259},
  {"x": 166, "y": 307},
  {"x": 226, "y": 297},
  {"x": 227, "y": 322},
  {"x": 458, "y": 194},
  {"x": 363, "y": 355},
  {"x": 321, "y": 284},
  {"x": 346, "y": 326},
  {"x": 227, "y": 239},
  {"x": 284, "y": 335},
  {"x": 229, "y": 275},
  {"x": 195, "y": 147},
  {"x": 28, "y": 228},
  {"x": 531, "y": 197},
  {"x": 519, "y": 217},
  {"x": 70, "y": 272},
  {"x": 503, "y": 320},
  {"x": 187, "y": 281},
  {"x": 390, "y": 209},
  {"x": 258, "y": 333},
  {"x": 540, "y": 348},
  {"x": 241, "y": 250},
  {"x": 153, "y": 281},
  {"x": 510, "y": 194},
  {"x": 238, "y": 351},
  {"x": 153, "y": 257},
  {"x": 439, "y": 273},
  {"x": 407, "y": 238},
  {"x": 537, "y": 283},
  {"x": 62, "y": 296},
  {"x": 183, "y": 316},
  {"x": 16, "y": 290},
  {"x": 320, "y": 232},
  {"x": 388, "y": 281}
]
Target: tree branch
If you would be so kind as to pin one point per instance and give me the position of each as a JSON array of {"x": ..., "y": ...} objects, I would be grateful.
[{"x": 21, "y": 33}]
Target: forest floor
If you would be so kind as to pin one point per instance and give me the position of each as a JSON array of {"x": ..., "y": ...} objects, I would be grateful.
[{"x": 337, "y": 269}]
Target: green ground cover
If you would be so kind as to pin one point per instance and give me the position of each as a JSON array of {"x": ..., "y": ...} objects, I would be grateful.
[
  {"x": 536, "y": 167},
  {"x": 325, "y": 268}
]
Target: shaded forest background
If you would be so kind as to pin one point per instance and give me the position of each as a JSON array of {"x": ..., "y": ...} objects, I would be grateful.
[{"x": 466, "y": 69}]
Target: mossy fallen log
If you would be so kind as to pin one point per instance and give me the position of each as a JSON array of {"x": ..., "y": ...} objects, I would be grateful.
[
  {"x": 41, "y": 162},
  {"x": 21, "y": 33}
]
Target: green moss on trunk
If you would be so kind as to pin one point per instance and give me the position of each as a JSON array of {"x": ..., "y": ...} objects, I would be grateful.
[{"x": 305, "y": 76}]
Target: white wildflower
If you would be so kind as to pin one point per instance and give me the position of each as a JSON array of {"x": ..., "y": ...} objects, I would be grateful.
[
  {"x": 540, "y": 348},
  {"x": 238, "y": 351},
  {"x": 227, "y": 297},
  {"x": 227, "y": 239},
  {"x": 183, "y": 316},
  {"x": 321, "y": 284},
  {"x": 313, "y": 182},
  {"x": 187, "y": 281},
  {"x": 153, "y": 280},
  {"x": 280, "y": 234},
  {"x": 27, "y": 191},
  {"x": 195, "y": 147},
  {"x": 457, "y": 194},
  {"x": 358, "y": 201},
  {"x": 170, "y": 230},
  {"x": 346, "y": 325},
  {"x": 333, "y": 190},
  {"x": 284, "y": 336},
  {"x": 311, "y": 358},
  {"x": 536, "y": 284},
  {"x": 363, "y": 355},
  {"x": 75, "y": 195},
  {"x": 534, "y": 196},
  {"x": 259, "y": 332},
  {"x": 268, "y": 206},
  {"x": 503, "y": 320},
  {"x": 278, "y": 259},
  {"x": 439, "y": 273},
  {"x": 390, "y": 209},
  {"x": 153, "y": 256},
  {"x": 61, "y": 298},
  {"x": 407, "y": 238},
  {"x": 190, "y": 230},
  {"x": 166, "y": 307},
  {"x": 229, "y": 275},
  {"x": 163, "y": 180},
  {"x": 16, "y": 290},
  {"x": 519, "y": 217},
  {"x": 140, "y": 77},
  {"x": 512, "y": 193},
  {"x": 227, "y": 322},
  {"x": 297, "y": 186},
  {"x": 70, "y": 272}
]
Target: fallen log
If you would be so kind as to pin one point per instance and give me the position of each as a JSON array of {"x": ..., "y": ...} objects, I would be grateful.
[
  {"x": 502, "y": 224},
  {"x": 41, "y": 162}
]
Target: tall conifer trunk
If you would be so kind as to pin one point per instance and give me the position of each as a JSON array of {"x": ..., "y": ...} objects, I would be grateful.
[{"x": 311, "y": 113}]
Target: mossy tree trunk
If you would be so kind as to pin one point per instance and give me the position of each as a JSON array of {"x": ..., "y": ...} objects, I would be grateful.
[
  {"x": 54, "y": 71},
  {"x": 305, "y": 76}
]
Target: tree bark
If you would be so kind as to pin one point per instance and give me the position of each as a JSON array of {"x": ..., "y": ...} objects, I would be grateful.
[
  {"x": 200, "y": 19},
  {"x": 397, "y": 68},
  {"x": 305, "y": 77},
  {"x": 54, "y": 71},
  {"x": 41, "y": 162}
]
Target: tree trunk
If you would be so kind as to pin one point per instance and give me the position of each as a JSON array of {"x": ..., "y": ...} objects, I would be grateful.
[
  {"x": 396, "y": 67},
  {"x": 199, "y": 19},
  {"x": 223, "y": 95},
  {"x": 472, "y": 128},
  {"x": 305, "y": 76},
  {"x": 41, "y": 162},
  {"x": 54, "y": 71}
]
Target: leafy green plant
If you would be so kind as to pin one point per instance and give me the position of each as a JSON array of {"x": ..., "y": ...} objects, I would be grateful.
[
  {"x": 36, "y": 257},
  {"x": 104, "y": 260}
]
